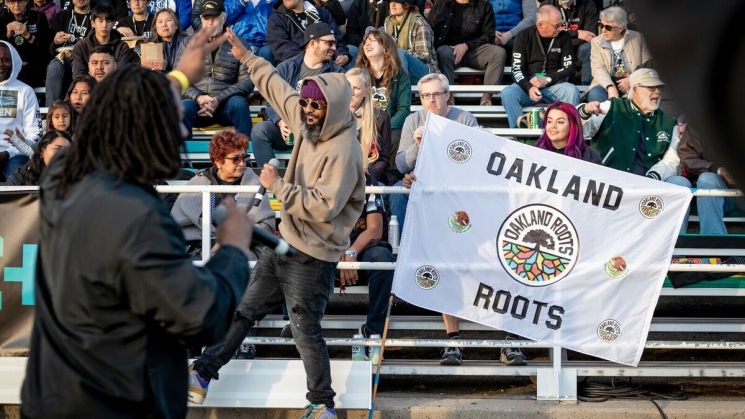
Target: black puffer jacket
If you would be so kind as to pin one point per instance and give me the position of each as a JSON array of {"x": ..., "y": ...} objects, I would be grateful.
[
  {"x": 226, "y": 76},
  {"x": 478, "y": 22}
]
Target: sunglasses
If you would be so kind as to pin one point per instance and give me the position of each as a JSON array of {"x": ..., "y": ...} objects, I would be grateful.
[
  {"x": 608, "y": 28},
  {"x": 315, "y": 104},
  {"x": 237, "y": 159}
]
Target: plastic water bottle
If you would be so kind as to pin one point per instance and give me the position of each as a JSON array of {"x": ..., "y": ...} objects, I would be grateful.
[
  {"x": 358, "y": 351},
  {"x": 393, "y": 234},
  {"x": 375, "y": 350}
]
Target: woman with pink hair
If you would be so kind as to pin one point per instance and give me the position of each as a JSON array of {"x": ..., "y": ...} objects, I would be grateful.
[{"x": 562, "y": 133}]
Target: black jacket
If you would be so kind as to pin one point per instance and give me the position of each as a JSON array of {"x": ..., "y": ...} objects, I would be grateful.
[
  {"x": 117, "y": 301},
  {"x": 226, "y": 76},
  {"x": 528, "y": 58},
  {"x": 33, "y": 51},
  {"x": 129, "y": 22},
  {"x": 478, "y": 22},
  {"x": 64, "y": 22},
  {"x": 583, "y": 14},
  {"x": 363, "y": 14}
]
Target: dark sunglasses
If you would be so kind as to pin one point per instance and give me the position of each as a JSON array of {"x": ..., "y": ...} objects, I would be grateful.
[
  {"x": 606, "y": 27},
  {"x": 315, "y": 104},
  {"x": 237, "y": 159}
]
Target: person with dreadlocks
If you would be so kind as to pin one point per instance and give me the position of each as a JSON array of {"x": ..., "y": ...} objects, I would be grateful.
[{"x": 117, "y": 297}]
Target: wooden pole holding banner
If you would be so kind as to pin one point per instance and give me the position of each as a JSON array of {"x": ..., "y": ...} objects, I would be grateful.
[{"x": 380, "y": 360}]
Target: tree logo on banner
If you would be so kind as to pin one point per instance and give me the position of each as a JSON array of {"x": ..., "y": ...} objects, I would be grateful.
[
  {"x": 609, "y": 331},
  {"x": 651, "y": 206},
  {"x": 459, "y": 151},
  {"x": 427, "y": 277},
  {"x": 538, "y": 245}
]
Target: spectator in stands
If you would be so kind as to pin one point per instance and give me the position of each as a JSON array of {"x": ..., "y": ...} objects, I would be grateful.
[
  {"x": 28, "y": 31},
  {"x": 364, "y": 14},
  {"x": 139, "y": 22},
  {"x": 373, "y": 123},
  {"x": 180, "y": 8},
  {"x": 166, "y": 30},
  {"x": 414, "y": 39},
  {"x": 464, "y": 36},
  {"x": 287, "y": 25},
  {"x": 542, "y": 66},
  {"x": 391, "y": 85},
  {"x": 101, "y": 62},
  {"x": 121, "y": 9},
  {"x": 102, "y": 21},
  {"x": 274, "y": 134},
  {"x": 60, "y": 117},
  {"x": 703, "y": 170},
  {"x": 562, "y": 133},
  {"x": 632, "y": 134},
  {"x": 68, "y": 28},
  {"x": 220, "y": 98},
  {"x": 20, "y": 108},
  {"x": 29, "y": 174},
  {"x": 79, "y": 93},
  {"x": 510, "y": 18},
  {"x": 580, "y": 19},
  {"x": 615, "y": 55},
  {"x": 48, "y": 7}
]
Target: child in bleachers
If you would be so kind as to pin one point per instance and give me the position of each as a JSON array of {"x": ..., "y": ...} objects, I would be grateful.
[{"x": 60, "y": 117}]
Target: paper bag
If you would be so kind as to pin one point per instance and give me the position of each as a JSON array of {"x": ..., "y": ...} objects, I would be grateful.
[{"x": 151, "y": 55}]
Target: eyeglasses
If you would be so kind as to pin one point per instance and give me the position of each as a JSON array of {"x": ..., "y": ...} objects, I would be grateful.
[
  {"x": 606, "y": 27},
  {"x": 15, "y": 1},
  {"x": 435, "y": 95},
  {"x": 556, "y": 26},
  {"x": 651, "y": 89},
  {"x": 315, "y": 104},
  {"x": 237, "y": 159}
]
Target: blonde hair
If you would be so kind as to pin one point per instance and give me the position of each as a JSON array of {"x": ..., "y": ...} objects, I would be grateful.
[{"x": 369, "y": 134}]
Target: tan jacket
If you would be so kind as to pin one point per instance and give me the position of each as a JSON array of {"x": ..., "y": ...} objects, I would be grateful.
[
  {"x": 635, "y": 52},
  {"x": 323, "y": 190}
]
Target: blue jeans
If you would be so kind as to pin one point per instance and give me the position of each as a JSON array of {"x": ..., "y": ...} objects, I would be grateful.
[
  {"x": 266, "y": 53},
  {"x": 514, "y": 98},
  {"x": 413, "y": 66},
  {"x": 266, "y": 138},
  {"x": 379, "y": 284},
  {"x": 353, "y": 51},
  {"x": 13, "y": 163},
  {"x": 232, "y": 112},
  {"x": 58, "y": 77},
  {"x": 681, "y": 181},
  {"x": 583, "y": 57},
  {"x": 711, "y": 210},
  {"x": 597, "y": 94},
  {"x": 305, "y": 284},
  {"x": 399, "y": 202}
]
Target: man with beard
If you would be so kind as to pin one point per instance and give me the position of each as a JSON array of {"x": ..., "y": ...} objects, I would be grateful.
[
  {"x": 632, "y": 134},
  {"x": 322, "y": 195},
  {"x": 19, "y": 109},
  {"x": 101, "y": 62},
  {"x": 102, "y": 21},
  {"x": 219, "y": 98},
  {"x": 274, "y": 133}
]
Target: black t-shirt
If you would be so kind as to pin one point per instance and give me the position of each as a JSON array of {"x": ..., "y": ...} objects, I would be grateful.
[
  {"x": 373, "y": 205},
  {"x": 454, "y": 36},
  {"x": 77, "y": 25}
]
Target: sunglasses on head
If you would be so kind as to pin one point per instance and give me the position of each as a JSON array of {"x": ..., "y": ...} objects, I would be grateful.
[
  {"x": 237, "y": 159},
  {"x": 315, "y": 104}
]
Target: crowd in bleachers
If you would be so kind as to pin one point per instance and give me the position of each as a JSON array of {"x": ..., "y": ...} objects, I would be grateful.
[{"x": 384, "y": 48}]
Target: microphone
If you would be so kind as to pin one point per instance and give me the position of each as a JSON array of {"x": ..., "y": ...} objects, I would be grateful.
[
  {"x": 279, "y": 246},
  {"x": 262, "y": 190}
]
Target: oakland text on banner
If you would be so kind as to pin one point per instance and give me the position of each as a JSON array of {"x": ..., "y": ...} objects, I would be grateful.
[{"x": 551, "y": 248}]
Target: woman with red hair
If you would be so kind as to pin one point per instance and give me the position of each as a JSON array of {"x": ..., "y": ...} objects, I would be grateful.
[{"x": 562, "y": 133}]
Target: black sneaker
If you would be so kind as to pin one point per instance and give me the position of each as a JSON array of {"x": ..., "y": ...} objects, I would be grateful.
[
  {"x": 246, "y": 351},
  {"x": 452, "y": 356},
  {"x": 286, "y": 331},
  {"x": 512, "y": 357},
  {"x": 366, "y": 334}
]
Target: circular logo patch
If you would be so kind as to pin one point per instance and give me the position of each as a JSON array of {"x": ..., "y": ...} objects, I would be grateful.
[
  {"x": 651, "y": 206},
  {"x": 609, "y": 331},
  {"x": 459, "y": 151},
  {"x": 538, "y": 245},
  {"x": 459, "y": 222},
  {"x": 427, "y": 277},
  {"x": 616, "y": 268}
]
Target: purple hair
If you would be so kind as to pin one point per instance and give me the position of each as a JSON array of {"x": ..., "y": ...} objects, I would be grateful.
[{"x": 575, "y": 142}]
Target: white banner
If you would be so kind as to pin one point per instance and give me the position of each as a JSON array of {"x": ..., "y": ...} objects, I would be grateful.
[{"x": 551, "y": 248}]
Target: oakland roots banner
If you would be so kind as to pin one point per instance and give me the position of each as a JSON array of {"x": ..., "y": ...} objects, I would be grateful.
[
  {"x": 19, "y": 238},
  {"x": 525, "y": 240}
]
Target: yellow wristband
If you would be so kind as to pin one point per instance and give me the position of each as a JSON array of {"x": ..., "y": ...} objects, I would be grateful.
[{"x": 181, "y": 77}]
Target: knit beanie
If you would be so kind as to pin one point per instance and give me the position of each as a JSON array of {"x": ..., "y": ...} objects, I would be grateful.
[{"x": 310, "y": 90}]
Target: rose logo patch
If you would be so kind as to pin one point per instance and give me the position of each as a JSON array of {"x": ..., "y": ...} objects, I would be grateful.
[
  {"x": 427, "y": 277},
  {"x": 459, "y": 222},
  {"x": 459, "y": 151},
  {"x": 651, "y": 206}
]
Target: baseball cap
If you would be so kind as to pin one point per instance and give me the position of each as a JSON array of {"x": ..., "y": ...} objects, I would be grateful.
[
  {"x": 645, "y": 77},
  {"x": 212, "y": 8},
  {"x": 315, "y": 31}
]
